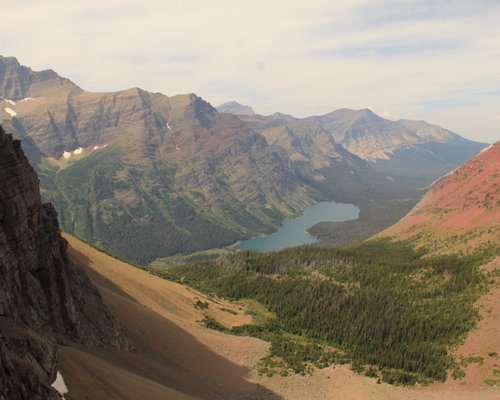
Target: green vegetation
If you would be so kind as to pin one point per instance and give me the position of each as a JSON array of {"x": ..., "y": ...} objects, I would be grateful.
[
  {"x": 123, "y": 209},
  {"x": 469, "y": 360},
  {"x": 202, "y": 305},
  {"x": 378, "y": 304},
  {"x": 374, "y": 216}
]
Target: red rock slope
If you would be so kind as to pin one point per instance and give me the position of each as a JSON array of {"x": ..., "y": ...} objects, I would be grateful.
[{"x": 461, "y": 212}]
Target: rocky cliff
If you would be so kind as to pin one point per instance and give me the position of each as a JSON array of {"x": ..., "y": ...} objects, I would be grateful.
[{"x": 44, "y": 300}]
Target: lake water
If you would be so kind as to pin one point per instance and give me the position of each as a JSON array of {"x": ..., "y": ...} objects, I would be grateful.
[{"x": 293, "y": 231}]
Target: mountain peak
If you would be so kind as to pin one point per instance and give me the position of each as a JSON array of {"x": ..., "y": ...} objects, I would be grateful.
[
  {"x": 233, "y": 107},
  {"x": 18, "y": 82}
]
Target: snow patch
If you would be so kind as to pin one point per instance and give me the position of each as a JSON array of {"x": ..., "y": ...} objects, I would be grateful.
[
  {"x": 10, "y": 111},
  {"x": 9, "y": 101},
  {"x": 60, "y": 385},
  {"x": 168, "y": 127},
  {"x": 79, "y": 150},
  {"x": 96, "y": 147},
  {"x": 27, "y": 99},
  {"x": 486, "y": 149},
  {"x": 66, "y": 154}
]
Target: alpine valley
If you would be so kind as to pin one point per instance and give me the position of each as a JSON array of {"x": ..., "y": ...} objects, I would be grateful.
[
  {"x": 145, "y": 176},
  {"x": 401, "y": 303}
]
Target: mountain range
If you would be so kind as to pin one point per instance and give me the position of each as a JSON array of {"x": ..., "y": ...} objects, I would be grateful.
[{"x": 144, "y": 175}]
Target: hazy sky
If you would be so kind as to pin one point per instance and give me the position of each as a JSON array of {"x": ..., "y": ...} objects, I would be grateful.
[{"x": 433, "y": 60}]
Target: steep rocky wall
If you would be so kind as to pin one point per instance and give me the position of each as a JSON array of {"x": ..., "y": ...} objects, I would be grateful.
[{"x": 44, "y": 299}]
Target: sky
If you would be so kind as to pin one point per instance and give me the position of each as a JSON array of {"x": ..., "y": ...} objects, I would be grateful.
[{"x": 437, "y": 61}]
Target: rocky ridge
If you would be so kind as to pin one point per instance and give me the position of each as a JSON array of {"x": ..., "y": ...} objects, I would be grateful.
[{"x": 44, "y": 300}]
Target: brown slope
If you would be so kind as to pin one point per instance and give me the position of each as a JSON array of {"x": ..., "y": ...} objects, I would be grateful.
[
  {"x": 461, "y": 212},
  {"x": 172, "y": 357}
]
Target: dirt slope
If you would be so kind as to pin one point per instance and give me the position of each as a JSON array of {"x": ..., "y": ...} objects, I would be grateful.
[{"x": 169, "y": 361}]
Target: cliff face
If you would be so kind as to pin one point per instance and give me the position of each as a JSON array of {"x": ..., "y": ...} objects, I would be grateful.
[{"x": 44, "y": 299}]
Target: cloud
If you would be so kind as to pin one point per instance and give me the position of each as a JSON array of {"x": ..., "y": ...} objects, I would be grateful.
[
  {"x": 496, "y": 117},
  {"x": 432, "y": 60}
]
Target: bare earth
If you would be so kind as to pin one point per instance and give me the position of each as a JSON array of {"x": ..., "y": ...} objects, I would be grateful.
[{"x": 177, "y": 358}]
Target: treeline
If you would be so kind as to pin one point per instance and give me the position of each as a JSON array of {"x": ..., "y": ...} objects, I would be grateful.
[{"x": 379, "y": 302}]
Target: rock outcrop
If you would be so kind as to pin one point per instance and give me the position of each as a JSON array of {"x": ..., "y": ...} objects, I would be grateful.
[{"x": 44, "y": 300}]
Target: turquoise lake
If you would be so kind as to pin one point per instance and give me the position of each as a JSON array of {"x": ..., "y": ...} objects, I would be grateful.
[{"x": 293, "y": 231}]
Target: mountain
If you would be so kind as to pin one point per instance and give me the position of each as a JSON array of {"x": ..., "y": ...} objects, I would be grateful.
[
  {"x": 45, "y": 300},
  {"x": 366, "y": 134},
  {"x": 233, "y": 107},
  {"x": 20, "y": 83},
  {"x": 144, "y": 175},
  {"x": 461, "y": 211},
  {"x": 404, "y": 149}
]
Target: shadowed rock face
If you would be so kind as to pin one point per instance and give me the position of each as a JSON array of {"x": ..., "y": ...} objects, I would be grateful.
[{"x": 44, "y": 299}]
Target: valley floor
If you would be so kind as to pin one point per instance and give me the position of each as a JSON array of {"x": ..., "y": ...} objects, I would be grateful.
[{"x": 174, "y": 357}]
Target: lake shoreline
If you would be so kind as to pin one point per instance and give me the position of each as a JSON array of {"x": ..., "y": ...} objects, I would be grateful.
[{"x": 293, "y": 231}]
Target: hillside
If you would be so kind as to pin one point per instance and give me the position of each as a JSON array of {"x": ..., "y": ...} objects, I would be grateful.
[
  {"x": 174, "y": 356},
  {"x": 461, "y": 212},
  {"x": 416, "y": 304},
  {"x": 160, "y": 318}
]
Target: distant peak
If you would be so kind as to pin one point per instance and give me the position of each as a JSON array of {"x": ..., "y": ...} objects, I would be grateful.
[
  {"x": 18, "y": 81},
  {"x": 233, "y": 107}
]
